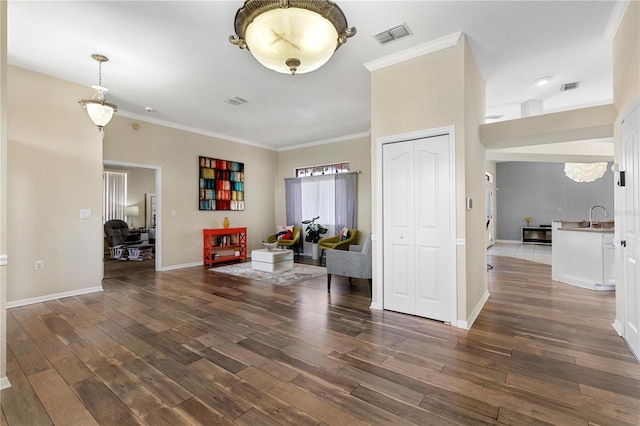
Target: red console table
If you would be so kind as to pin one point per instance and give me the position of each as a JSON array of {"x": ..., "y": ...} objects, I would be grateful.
[{"x": 224, "y": 244}]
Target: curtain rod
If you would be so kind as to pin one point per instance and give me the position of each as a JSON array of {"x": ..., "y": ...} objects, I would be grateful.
[{"x": 322, "y": 175}]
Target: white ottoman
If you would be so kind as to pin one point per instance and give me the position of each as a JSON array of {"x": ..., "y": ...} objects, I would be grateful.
[{"x": 272, "y": 261}]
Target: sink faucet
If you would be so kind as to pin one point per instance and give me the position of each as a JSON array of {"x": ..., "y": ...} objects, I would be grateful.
[{"x": 606, "y": 213}]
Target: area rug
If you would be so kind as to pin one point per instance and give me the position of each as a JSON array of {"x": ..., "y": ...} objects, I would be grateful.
[{"x": 299, "y": 273}]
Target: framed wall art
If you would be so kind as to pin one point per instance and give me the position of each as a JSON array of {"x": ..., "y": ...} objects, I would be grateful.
[{"x": 221, "y": 184}]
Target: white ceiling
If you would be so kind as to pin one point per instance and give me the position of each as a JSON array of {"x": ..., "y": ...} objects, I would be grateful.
[{"x": 176, "y": 58}]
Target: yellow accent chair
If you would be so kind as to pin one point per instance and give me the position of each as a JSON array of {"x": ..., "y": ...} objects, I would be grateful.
[
  {"x": 334, "y": 243},
  {"x": 288, "y": 243}
]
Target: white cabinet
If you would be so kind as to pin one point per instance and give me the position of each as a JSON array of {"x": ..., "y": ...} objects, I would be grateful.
[
  {"x": 584, "y": 257},
  {"x": 609, "y": 262}
]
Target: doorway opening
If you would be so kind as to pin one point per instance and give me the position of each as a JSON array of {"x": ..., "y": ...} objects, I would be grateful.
[{"x": 151, "y": 198}]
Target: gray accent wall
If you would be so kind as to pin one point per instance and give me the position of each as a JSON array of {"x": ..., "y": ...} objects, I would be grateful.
[{"x": 543, "y": 192}]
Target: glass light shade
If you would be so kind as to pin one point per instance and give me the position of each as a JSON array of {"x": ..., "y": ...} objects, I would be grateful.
[
  {"x": 584, "y": 172},
  {"x": 100, "y": 113},
  {"x": 293, "y": 33}
]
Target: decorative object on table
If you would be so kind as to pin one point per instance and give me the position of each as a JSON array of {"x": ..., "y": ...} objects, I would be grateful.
[
  {"x": 528, "y": 220},
  {"x": 225, "y": 222},
  {"x": 99, "y": 109},
  {"x": 282, "y": 231},
  {"x": 270, "y": 246},
  {"x": 292, "y": 36},
  {"x": 221, "y": 184}
]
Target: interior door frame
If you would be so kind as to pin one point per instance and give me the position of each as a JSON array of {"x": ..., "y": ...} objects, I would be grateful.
[
  {"x": 622, "y": 281},
  {"x": 377, "y": 299},
  {"x": 159, "y": 224}
]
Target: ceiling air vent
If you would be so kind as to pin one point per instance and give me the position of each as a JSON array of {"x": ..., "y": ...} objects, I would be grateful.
[
  {"x": 391, "y": 34},
  {"x": 569, "y": 86},
  {"x": 493, "y": 117},
  {"x": 235, "y": 101}
]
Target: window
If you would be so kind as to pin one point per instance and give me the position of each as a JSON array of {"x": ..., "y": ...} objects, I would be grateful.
[
  {"x": 114, "y": 195},
  {"x": 324, "y": 169},
  {"x": 333, "y": 197}
]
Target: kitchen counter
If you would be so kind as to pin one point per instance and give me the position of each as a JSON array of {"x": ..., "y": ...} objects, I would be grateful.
[{"x": 584, "y": 255}]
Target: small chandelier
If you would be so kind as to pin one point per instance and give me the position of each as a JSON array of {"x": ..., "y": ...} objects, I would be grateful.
[
  {"x": 584, "y": 172},
  {"x": 99, "y": 109},
  {"x": 291, "y": 36}
]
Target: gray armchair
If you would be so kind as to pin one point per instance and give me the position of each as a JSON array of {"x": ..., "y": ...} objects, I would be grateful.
[{"x": 355, "y": 263}]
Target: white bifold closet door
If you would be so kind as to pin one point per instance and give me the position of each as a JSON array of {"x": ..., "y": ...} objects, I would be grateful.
[{"x": 416, "y": 224}]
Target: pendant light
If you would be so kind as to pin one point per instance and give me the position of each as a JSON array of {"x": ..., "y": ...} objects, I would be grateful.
[
  {"x": 99, "y": 109},
  {"x": 584, "y": 172}
]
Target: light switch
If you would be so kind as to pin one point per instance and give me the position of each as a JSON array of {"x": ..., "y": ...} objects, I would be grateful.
[{"x": 85, "y": 214}]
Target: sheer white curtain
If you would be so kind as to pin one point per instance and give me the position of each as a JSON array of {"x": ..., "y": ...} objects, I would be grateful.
[
  {"x": 318, "y": 199},
  {"x": 114, "y": 195},
  {"x": 333, "y": 197}
]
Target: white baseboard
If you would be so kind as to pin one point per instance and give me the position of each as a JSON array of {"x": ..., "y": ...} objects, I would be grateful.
[
  {"x": 617, "y": 325},
  {"x": 376, "y": 306},
  {"x": 54, "y": 296},
  {"x": 184, "y": 265},
  {"x": 4, "y": 383},
  {"x": 474, "y": 314}
]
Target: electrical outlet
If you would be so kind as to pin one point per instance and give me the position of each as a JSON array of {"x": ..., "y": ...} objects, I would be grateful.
[{"x": 39, "y": 265}]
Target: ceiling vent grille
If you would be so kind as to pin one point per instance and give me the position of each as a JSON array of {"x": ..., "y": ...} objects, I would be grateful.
[
  {"x": 392, "y": 34},
  {"x": 235, "y": 101},
  {"x": 569, "y": 86}
]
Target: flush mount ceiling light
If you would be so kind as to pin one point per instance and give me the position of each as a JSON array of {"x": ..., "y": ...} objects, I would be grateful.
[
  {"x": 99, "y": 109},
  {"x": 291, "y": 36},
  {"x": 584, "y": 172},
  {"x": 543, "y": 81}
]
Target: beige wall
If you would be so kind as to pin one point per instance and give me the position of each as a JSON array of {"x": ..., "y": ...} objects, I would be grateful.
[
  {"x": 356, "y": 151},
  {"x": 475, "y": 187},
  {"x": 626, "y": 90},
  {"x": 55, "y": 170},
  {"x": 3, "y": 194},
  {"x": 176, "y": 152},
  {"x": 428, "y": 92},
  {"x": 626, "y": 59}
]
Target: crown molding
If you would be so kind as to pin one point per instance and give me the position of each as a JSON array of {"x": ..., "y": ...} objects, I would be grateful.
[
  {"x": 414, "y": 52},
  {"x": 619, "y": 9},
  {"x": 172, "y": 125},
  {"x": 326, "y": 141}
]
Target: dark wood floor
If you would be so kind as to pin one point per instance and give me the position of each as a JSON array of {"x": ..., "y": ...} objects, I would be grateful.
[{"x": 197, "y": 347}]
